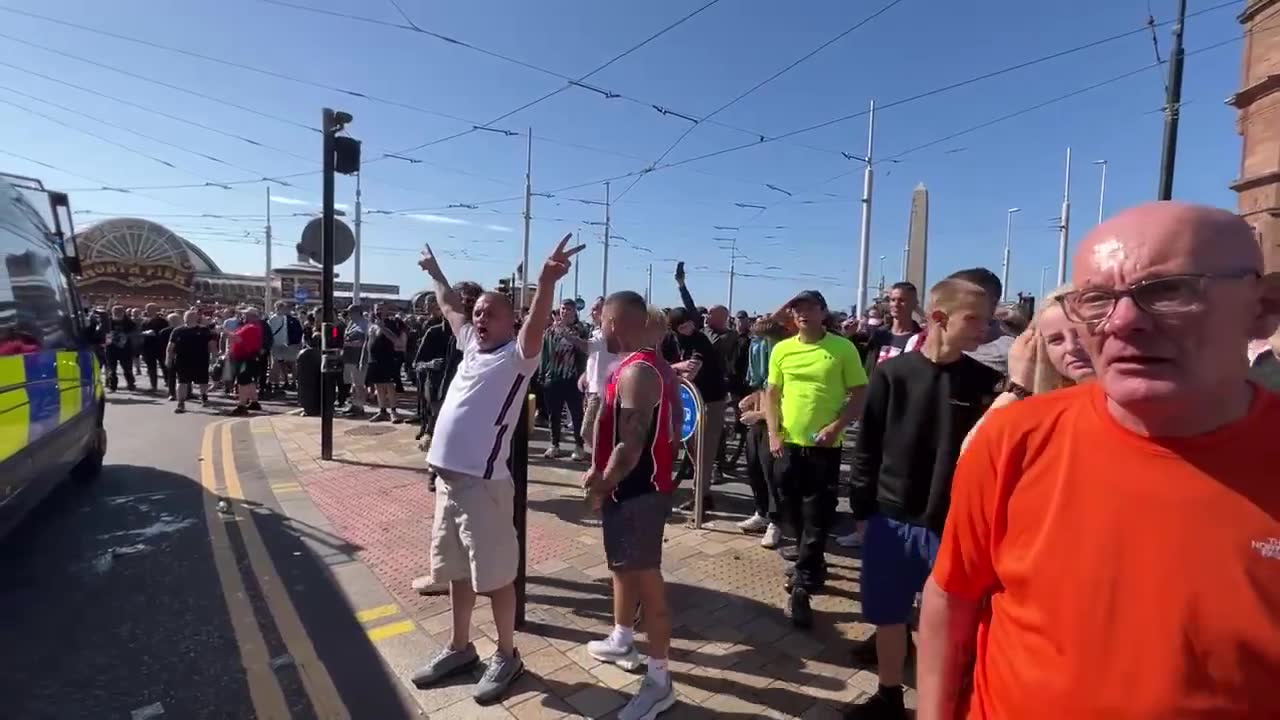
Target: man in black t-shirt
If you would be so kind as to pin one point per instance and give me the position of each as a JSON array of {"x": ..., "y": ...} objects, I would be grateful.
[
  {"x": 119, "y": 328},
  {"x": 152, "y": 348},
  {"x": 188, "y": 354},
  {"x": 172, "y": 321}
]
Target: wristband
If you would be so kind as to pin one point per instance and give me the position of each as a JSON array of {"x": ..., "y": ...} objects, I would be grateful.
[{"x": 1018, "y": 391}]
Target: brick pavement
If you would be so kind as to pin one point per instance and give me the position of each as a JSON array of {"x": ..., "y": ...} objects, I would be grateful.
[{"x": 734, "y": 653}]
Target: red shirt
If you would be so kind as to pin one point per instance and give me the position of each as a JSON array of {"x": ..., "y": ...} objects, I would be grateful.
[
  {"x": 246, "y": 341},
  {"x": 653, "y": 472}
]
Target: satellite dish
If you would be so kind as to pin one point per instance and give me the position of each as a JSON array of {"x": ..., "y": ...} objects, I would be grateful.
[{"x": 344, "y": 242}]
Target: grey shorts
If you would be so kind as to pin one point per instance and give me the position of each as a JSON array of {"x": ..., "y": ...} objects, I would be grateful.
[{"x": 633, "y": 531}]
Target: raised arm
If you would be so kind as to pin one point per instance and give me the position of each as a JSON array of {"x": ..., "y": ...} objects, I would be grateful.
[
  {"x": 448, "y": 299},
  {"x": 555, "y": 268},
  {"x": 686, "y": 298}
]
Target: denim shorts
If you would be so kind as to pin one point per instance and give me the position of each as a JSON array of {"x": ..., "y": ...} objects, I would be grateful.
[{"x": 897, "y": 558}]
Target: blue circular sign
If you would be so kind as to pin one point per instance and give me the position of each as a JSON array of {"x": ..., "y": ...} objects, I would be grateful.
[
  {"x": 300, "y": 294},
  {"x": 690, "y": 405}
]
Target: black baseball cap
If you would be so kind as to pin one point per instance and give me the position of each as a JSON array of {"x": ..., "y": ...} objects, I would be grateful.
[
  {"x": 811, "y": 296},
  {"x": 743, "y": 314}
]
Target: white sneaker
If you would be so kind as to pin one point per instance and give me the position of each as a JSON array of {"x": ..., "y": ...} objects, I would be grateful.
[
  {"x": 424, "y": 586},
  {"x": 553, "y": 453},
  {"x": 609, "y": 651},
  {"x": 772, "y": 537},
  {"x": 580, "y": 455},
  {"x": 755, "y": 523},
  {"x": 852, "y": 540},
  {"x": 650, "y": 701}
]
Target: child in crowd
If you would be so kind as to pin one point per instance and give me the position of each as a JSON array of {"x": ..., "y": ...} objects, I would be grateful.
[{"x": 919, "y": 408}]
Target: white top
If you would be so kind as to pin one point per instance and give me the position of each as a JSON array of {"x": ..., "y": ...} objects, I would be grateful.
[
  {"x": 600, "y": 363},
  {"x": 279, "y": 325},
  {"x": 481, "y": 408}
]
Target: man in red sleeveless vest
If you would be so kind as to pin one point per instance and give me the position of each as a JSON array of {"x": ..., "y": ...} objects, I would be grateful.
[{"x": 630, "y": 481}]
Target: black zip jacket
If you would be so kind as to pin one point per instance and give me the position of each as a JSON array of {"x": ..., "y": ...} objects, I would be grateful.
[{"x": 917, "y": 415}]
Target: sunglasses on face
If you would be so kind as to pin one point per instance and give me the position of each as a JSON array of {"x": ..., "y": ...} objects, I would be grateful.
[{"x": 1169, "y": 295}]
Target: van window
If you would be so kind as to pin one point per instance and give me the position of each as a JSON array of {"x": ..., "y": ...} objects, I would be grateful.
[{"x": 36, "y": 311}]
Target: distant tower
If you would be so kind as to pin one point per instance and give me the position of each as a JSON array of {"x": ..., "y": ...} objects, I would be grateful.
[
  {"x": 918, "y": 238},
  {"x": 1258, "y": 186}
]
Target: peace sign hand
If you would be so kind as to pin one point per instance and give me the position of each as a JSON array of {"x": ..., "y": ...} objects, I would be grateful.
[{"x": 559, "y": 262}]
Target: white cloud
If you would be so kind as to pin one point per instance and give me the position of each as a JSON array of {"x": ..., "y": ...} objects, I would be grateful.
[
  {"x": 438, "y": 219},
  {"x": 341, "y": 206},
  {"x": 498, "y": 228},
  {"x": 285, "y": 200}
]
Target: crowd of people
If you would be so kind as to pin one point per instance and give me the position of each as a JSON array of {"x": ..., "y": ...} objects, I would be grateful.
[{"x": 1085, "y": 499}]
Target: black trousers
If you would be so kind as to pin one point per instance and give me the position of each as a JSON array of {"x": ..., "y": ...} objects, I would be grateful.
[
  {"x": 124, "y": 358},
  {"x": 154, "y": 360},
  {"x": 761, "y": 473},
  {"x": 807, "y": 477},
  {"x": 557, "y": 394}
]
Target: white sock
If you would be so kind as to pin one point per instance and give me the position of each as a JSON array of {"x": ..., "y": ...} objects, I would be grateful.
[
  {"x": 622, "y": 636},
  {"x": 658, "y": 670}
]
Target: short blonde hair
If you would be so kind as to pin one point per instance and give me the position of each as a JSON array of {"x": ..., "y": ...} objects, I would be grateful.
[
  {"x": 948, "y": 295},
  {"x": 656, "y": 326}
]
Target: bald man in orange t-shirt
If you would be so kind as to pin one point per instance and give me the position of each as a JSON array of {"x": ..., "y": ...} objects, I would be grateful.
[{"x": 1113, "y": 550}]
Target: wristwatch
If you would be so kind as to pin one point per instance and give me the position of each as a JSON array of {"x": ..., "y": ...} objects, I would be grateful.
[{"x": 1018, "y": 391}]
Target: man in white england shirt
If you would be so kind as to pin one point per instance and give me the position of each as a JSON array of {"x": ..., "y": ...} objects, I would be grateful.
[
  {"x": 473, "y": 544},
  {"x": 592, "y": 383}
]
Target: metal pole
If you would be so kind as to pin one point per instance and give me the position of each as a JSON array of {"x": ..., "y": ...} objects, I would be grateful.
[
  {"x": 520, "y": 484},
  {"x": 604, "y": 276},
  {"x": 864, "y": 244},
  {"x": 1065, "y": 228},
  {"x": 1043, "y": 269},
  {"x": 528, "y": 206},
  {"x": 266, "y": 274},
  {"x": 355, "y": 271},
  {"x": 1172, "y": 107},
  {"x": 328, "y": 126},
  {"x": 733, "y": 259},
  {"x": 700, "y": 476},
  {"x": 1102, "y": 189},
  {"x": 648, "y": 285},
  {"x": 1004, "y": 263},
  {"x": 575, "y": 269},
  {"x": 906, "y": 254}
]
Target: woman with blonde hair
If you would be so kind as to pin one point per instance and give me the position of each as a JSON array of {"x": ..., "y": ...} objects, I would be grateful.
[{"x": 1047, "y": 356}]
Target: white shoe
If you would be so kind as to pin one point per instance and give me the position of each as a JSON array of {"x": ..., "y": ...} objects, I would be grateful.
[
  {"x": 424, "y": 586},
  {"x": 553, "y": 453},
  {"x": 609, "y": 651},
  {"x": 755, "y": 523},
  {"x": 650, "y": 701},
  {"x": 772, "y": 537},
  {"x": 580, "y": 455},
  {"x": 852, "y": 540}
]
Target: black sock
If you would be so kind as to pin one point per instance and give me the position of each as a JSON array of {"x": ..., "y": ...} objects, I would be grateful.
[{"x": 891, "y": 692}]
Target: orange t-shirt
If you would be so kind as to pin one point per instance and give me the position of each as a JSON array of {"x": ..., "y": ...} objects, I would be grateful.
[{"x": 1128, "y": 577}]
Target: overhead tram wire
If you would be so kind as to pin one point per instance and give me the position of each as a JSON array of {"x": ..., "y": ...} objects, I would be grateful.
[
  {"x": 569, "y": 82},
  {"x": 757, "y": 86},
  {"x": 372, "y": 98}
]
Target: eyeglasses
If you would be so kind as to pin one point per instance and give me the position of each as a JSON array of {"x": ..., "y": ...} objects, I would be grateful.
[{"x": 1169, "y": 295}]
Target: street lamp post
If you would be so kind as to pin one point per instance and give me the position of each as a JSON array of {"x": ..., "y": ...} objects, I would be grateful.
[
  {"x": 1102, "y": 189},
  {"x": 882, "y": 259},
  {"x": 1004, "y": 265},
  {"x": 1043, "y": 270}
]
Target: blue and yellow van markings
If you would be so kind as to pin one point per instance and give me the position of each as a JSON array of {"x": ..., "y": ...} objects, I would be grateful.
[{"x": 42, "y": 390}]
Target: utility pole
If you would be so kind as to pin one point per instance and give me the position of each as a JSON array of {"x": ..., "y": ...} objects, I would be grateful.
[
  {"x": 648, "y": 285},
  {"x": 355, "y": 271},
  {"x": 1043, "y": 269},
  {"x": 1064, "y": 229},
  {"x": 1172, "y": 106},
  {"x": 733, "y": 259},
  {"x": 575, "y": 268},
  {"x": 528, "y": 208},
  {"x": 266, "y": 273},
  {"x": 1102, "y": 189},
  {"x": 882, "y": 259},
  {"x": 1008, "y": 243},
  {"x": 906, "y": 255},
  {"x": 330, "y": 124},
  {"x": 604, "y": 276},
  {"x": 864, "y": 244}
]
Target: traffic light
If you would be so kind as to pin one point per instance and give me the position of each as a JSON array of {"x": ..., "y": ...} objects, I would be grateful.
[{"x": 504, "y": 287}]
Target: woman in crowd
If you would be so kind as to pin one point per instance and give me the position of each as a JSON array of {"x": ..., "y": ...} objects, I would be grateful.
[{"x": 764, "y": 334}]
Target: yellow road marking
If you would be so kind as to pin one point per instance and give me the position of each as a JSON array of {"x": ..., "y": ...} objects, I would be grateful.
[
  {"x": 286, "y": 487},
  {"x": 376, "y": 613},
  {"x": 390, "y": 630},
  {"x": 264, "y": 688},
  {"x": 315, "y": 678}
]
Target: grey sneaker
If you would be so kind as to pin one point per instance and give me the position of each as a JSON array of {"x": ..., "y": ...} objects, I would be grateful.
[
  {"x": 500, "y": 673},
  {"x": 448, "y": 663},
  {"x": 650, "y": 701},
  {"x": 608, "y": 651}
]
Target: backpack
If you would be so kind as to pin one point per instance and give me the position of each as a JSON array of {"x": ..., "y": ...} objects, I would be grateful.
[{"x": 293, "y": 330}]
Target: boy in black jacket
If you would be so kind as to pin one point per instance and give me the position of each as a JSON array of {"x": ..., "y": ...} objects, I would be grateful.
[{"x": 919, "y": 408}]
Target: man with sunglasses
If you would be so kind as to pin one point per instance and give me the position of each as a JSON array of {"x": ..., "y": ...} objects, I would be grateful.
[{"x": 1113, "y": 549}]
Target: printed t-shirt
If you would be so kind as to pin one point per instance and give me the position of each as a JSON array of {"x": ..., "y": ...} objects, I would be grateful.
[
  {"x": 1127, "y": 576},
  {"x": 815, "y": 379}
]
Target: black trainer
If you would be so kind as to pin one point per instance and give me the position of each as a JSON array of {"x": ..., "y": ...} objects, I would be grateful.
[
  {"x": 886, "y": 704},
  {"x": 800, "y": 610}
]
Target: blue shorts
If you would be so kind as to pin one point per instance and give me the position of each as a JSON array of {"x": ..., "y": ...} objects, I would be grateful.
[{"x": 897, "y": 558}]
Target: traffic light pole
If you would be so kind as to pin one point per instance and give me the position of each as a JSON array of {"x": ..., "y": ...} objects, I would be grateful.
[{"x": 329, "y": 128}]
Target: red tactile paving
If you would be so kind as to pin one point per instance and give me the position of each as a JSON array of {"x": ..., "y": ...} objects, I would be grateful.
[{"x": 385, "y": 513}]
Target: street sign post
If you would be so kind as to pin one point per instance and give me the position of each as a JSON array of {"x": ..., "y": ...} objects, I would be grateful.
[
  {"x": 580, "y": 304},
  {"x": 691, "y": 428}
]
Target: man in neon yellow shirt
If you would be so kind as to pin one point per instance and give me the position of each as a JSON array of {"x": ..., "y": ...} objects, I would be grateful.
[{"x": 816, "y": 386}]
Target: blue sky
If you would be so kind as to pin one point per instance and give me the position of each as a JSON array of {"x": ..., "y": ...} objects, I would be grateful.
[{"x": 580, "y": 136}]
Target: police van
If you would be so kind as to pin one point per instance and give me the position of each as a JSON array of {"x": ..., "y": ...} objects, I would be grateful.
[{"x": 51, "y": 395}]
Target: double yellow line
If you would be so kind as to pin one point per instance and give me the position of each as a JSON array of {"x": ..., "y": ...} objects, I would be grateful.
[{"x": 264, "y": 686}]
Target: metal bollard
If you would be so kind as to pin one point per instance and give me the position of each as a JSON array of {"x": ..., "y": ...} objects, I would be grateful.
[{"x": 694, "y": 427}]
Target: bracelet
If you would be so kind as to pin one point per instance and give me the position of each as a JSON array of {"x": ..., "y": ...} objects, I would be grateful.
[{"x": 1018, "y": 391}]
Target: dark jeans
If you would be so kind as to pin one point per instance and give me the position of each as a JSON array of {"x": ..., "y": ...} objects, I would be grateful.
[
  {"x": 761, "y": 473},
  {"x": 808, "y": 477},
  {"x": 154, "y": 361},
  {"x": 557, "y": 394},
  {"x": 124, "y": 358}
]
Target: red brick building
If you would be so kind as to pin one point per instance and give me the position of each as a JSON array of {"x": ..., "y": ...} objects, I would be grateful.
[{"x": 1258, "y": 101}]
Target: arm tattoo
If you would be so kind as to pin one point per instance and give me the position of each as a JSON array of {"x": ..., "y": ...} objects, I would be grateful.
[{"x": 639, "y": 389}]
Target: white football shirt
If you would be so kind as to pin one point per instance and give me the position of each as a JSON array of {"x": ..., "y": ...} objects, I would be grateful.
[
  {"x": 600, "y": 363},
  {"x": 481, "y": 408}
]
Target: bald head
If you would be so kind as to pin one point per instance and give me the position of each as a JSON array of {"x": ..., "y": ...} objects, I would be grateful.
[{"x": 1160, "y": 238}]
